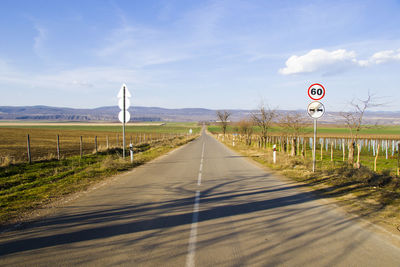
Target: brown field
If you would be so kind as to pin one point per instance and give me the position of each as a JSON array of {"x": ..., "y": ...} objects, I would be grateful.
[{"x": 43, "y": 142}]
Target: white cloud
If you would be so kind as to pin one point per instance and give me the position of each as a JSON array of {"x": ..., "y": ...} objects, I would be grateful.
[
  {"x": 323, "y": 60},
  {"x": 318, "y": 59},
  {"x": 385, "y": 56}
]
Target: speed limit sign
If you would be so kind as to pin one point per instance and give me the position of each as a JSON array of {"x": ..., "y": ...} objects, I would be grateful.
[{"x": 316, "y": 91}]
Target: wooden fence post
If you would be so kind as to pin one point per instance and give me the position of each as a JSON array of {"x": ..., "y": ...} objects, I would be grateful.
[
  {"x": 29, "y": 150},
  {"x": 108, "y": 145},
  {"x": 322, "y": 148},
  {"x": 95, "y": 143},
  {"x": 358, "y": 156},
  {"x": 398, "y": 159},
  {"x": 58, "y": 147},
  {"x": 81, "y": 147},
  {"x": 376, "y": 157},
  {"x": 344, "y": 150},
  {"x": 387, "y": 148}
]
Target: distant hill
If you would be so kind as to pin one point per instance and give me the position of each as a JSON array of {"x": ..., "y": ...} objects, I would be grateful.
[
  {"x": 110, "y": 114},
  {"x": 47, "y": 113}
]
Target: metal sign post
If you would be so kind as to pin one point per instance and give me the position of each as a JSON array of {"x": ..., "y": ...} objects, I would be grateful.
[
  {"x": 314, "y": 146},
  {"x": 124, "y": 115},
  {"x": 315, "y": 110},
  {"x": 123, "y": 124}
]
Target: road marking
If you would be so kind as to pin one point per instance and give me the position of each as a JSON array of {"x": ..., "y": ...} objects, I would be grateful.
[
  {"x": 199, "y": 179},
  {"x": 201, "y": 166},
  {"x": 193, "y": 232}
]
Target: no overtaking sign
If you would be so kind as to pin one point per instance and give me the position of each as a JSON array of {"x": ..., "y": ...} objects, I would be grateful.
[{"x": 316, "y": 110}]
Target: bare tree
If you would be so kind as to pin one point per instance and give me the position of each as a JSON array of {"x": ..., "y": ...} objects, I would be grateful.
[
  {"x": 264, "y": 119},
  {"x": 246, "y": 128},
  {"x": 293, "y": 124},
  {"x": 223, "y": 117},
  {"x": 354, "y": 120}
]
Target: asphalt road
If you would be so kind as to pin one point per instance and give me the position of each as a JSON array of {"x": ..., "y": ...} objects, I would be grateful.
[{"x": 201, "y": 205}]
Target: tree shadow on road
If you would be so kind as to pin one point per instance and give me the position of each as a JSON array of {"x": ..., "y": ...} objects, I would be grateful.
[{"x": 246, "y": 204}]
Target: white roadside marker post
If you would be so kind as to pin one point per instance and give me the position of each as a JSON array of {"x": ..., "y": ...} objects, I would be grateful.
[
  {"x": 274, "y": 153},
  {"x": 131, "y": 151}
]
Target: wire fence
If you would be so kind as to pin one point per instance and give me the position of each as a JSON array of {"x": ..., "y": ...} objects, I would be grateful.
[{"x": 38, "y": 146}]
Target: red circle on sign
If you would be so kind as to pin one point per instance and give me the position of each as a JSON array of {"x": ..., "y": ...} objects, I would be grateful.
[{"x": 309, "y": 88}]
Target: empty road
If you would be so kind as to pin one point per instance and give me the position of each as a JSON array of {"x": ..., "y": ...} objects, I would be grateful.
[{"x": 200, "y": 205}]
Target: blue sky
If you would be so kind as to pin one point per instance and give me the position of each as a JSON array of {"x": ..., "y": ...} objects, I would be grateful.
[{"x": 211, "y": 54}]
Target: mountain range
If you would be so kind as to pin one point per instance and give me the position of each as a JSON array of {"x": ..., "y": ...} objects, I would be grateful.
[{"x": 110, "y": 114}]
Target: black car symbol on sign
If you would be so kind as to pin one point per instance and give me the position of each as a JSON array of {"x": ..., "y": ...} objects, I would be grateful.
[{"x": 315, "y": 110}]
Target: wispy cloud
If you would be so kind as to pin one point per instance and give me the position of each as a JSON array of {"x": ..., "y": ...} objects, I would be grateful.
[
  {"x": 139, "y": 46},
  {"x": 323, "y": 60},
  {"x": 382, "y": 57},
  {"x": 40, "y": 38},
  {"x": 3, "y": 66},
  {"x": 183, "y": 37},
  {"x": 86, "y": 79}
]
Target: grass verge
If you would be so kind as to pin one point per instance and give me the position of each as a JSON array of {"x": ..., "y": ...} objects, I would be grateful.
[
  {"x": 26, "y": 187},
  {"x": 375, "y": 196}
]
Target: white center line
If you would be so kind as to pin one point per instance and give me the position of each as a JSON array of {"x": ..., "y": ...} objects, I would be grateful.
[
  {"x": 193, "y": 230},
  {"x": 201, "y": 166}
]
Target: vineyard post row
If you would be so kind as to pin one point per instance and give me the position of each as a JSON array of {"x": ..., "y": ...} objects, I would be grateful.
[{"x": 298, "y": 145}]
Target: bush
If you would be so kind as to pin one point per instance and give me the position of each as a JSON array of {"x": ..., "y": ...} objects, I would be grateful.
[{"x": 380, "y": 180}]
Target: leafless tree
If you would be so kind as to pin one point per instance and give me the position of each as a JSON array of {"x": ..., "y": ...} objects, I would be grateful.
[
  {"x": 246, "y": 128},
  {"x": 264, "y": 118},
  {"x": 223, "y": 117},
  {"x": 354, "y": 120},
  {"x": 293, "y": 124}
]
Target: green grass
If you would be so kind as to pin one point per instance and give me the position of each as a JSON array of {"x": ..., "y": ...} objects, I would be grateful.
[
  {"x": 176, "y": 128},
  {"x": 366, "y": 157},
  {"x": 326, "y": 130},
  {"x": 24, "y": 187},
  {"x": 368, "y": 130}
]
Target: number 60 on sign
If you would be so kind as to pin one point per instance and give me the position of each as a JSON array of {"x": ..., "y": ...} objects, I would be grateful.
[{"x": 316, "y": 91}]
